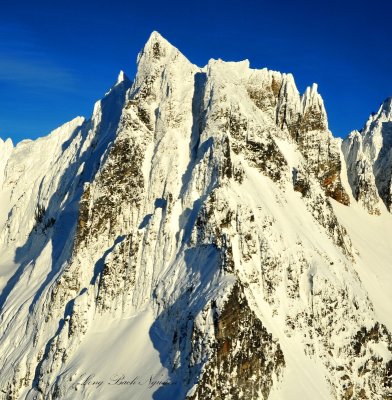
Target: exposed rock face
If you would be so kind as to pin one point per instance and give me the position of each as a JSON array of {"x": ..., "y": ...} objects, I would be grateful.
[
  {"x": 246, "y": 359},
  {"x": 369, "y": 160},
  {"x": 305, "y": 120},
  {"x": 189, "y": 226},
  {"x": 309, "y": 128}
]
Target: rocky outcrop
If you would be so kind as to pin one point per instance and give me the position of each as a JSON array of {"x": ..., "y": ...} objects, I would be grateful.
[
  {"x": 246, "y": 360},
  {"x": 305, "y": 120}
]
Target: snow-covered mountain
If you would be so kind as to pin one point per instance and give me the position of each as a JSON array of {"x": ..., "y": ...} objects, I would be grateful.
[
  {"x": 202, "y": 236},
  {"x": 369, "y": 159}
]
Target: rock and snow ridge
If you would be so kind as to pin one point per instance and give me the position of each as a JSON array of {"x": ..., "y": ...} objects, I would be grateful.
[
  {"x": 369, "y": 160},
  {"x": 198, "y": 237}
]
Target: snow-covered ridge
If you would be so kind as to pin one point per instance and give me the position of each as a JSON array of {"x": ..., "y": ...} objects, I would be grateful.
[
  {"x": 369, "y": 162},
  {"x": 200, "y": 230}
]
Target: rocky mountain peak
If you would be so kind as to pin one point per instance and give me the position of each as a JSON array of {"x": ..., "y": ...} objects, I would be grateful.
[
  {"x": 157, "y": 51},
  {"x": 121, "y": 78},
  {"x": 386, "y": 108},
  {"x": 313, "y": 109}
]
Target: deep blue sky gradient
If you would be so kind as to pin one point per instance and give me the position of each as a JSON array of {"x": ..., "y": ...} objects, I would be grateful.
[{"x": 58, "y": 58}]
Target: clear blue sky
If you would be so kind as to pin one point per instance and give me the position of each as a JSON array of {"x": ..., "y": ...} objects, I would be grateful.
[{"x": 58, "y": 58}]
